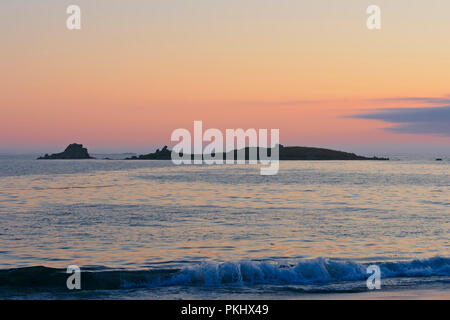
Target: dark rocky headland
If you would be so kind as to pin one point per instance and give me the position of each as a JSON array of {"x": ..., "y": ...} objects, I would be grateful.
[{"x": 286, "y": 153}]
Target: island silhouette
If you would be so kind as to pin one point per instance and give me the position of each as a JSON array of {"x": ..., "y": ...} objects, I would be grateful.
[
  {"x": 73, "y": 151},
  {"x": 285, "y": 153},
  {"x": 77, "y": 151}
]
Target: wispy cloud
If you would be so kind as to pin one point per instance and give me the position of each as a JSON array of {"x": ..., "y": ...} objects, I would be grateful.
[{"x": 424, "y": 100}]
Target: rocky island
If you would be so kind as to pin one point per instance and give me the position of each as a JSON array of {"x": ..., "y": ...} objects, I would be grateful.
[
  {"x": 286, "y": 153},
  {"x": 163, "y": 154},
  {"x": 73, "y": 151}
]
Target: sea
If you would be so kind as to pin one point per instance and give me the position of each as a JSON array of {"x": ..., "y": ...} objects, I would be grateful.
[{"x": 153, "y": 230}]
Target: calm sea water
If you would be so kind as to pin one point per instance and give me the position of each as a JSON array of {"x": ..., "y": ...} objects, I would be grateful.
[{"x": 149, "y": 229}]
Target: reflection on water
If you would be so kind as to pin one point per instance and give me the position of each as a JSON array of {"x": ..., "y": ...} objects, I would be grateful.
[{"x": 143, "y": 214}]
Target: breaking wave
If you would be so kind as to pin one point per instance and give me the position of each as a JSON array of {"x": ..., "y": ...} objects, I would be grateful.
[{"x": 245, "y": 273}]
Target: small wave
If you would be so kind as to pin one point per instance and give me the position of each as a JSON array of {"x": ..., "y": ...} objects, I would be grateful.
[{"x": 245, "y": 273}]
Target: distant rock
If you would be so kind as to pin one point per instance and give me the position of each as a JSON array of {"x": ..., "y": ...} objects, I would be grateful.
[
  {"x": 73, "y": 151},
  {"x": 439, "y": 159},
  {"x": 112, "y": 156}
]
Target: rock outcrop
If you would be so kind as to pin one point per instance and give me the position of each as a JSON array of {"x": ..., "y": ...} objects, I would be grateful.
[
  {"x": 163, "y": 154},
  {"x": 73, "y": 151}
]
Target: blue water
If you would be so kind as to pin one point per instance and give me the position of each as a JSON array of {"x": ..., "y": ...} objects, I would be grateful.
[{"x": 148, "y": 229}]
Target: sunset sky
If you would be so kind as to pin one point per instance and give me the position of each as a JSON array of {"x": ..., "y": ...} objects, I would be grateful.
[{"x": 139, "y": 69}]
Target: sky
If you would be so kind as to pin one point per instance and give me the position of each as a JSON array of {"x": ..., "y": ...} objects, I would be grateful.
[{"x": 137, "y": 70}]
